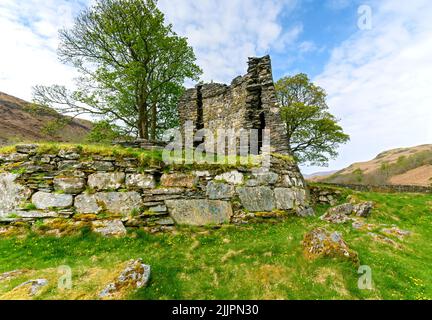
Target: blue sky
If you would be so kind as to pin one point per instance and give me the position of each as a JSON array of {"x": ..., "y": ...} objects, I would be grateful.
[{"x": 377, "y": 80}]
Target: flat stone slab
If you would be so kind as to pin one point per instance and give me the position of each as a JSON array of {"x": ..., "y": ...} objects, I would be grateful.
[
  {"x": 106, "y": 180},
  {"x": 285, "y": 198},
  {"x": 44, "y": 200},
  {"x": 12, "y": 194},
  {"x": 199, "y": 212},
  {"x": 256, "y": 199}
]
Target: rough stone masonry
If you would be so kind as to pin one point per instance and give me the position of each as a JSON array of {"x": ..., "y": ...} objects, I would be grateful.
[
  {"x": 70, "y": 188},
  {"x": 248, "y": 103}
]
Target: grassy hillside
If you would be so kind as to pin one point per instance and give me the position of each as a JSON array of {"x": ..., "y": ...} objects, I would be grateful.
[
  {"x": 403, "y": 166},
  {"x": 257, "y": 261},
  {"x": 22, "y": 121}
]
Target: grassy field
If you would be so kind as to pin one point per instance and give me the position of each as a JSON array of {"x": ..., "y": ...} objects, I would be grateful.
[{"x": 260, "y": 261}]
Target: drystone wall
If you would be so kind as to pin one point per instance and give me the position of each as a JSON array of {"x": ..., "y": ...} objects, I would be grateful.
[
  {"x": 248, "y": 103},
  {"x": 67, "y": 189}
]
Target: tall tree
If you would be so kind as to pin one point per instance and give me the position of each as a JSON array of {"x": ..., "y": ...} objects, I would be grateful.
[
  {"x": 313, "y": 133},
  {"x": 131, "y": 63}
]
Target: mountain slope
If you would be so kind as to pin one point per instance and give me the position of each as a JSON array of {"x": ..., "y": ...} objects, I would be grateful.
[
  {"x": 22, "y": 121},
  {"x": 402, "y": 166}
]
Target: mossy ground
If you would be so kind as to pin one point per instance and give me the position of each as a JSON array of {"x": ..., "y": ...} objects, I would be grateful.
[{"x": 257, "y": 261}]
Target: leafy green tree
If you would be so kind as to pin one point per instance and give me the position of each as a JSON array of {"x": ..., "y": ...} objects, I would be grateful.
[
  {"x": 313, "y": 133},
  {"x": 103, "y": 132},
  {"x": 132, "y": 67}
]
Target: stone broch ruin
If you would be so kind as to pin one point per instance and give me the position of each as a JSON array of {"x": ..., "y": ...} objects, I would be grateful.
[
  {"x": 248, "y": 103},
  {"x": 59, "y": 191}
]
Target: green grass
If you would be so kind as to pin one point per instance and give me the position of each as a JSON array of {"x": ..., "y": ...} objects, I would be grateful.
[{"x": 257, "y": 261}]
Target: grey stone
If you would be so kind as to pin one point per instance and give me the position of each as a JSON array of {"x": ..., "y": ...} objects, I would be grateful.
[
  {"x": 17, "y": 157},
  {"x": 26, "y": 148},
  {"x": 44, "y": 200},
  {"x": 219, "y": 190},
  {"x": 12, "y": 194},
  {"x": 35, "y": 285},
  {"x": 256, "y": 199},
  {"x": 199, "y": 211},
  {"x": 119, "y": 202},
  {"x": 266, "y": 178},
  {"x": 87, "y": 204},
  {"x": 71, "y": 185},
  {"x": 284, "y": 198},
  {"x": 178, "y": 180},
  {"x": 135, "y": 275},
  {"x": 109, "y": 228},
  {"x": 37, "y": 214},
  {"x": 106, "y": 181},
  {"x": 159, "y": 208},
  {"x": 140, "y": 181},
  {"x": 167, "y": 221},
  {"x": 102, "y": 166},
  {"x": 233, "y": 177},
  {"x": 69, "y": 165},
  {"x": 363, "y": 209},
  {"x": 69, "y": 154}
]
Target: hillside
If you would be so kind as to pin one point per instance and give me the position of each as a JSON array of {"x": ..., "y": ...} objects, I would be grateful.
[
  {"x": 402, "y": 166},
  {"x": 22, "y": 121}
]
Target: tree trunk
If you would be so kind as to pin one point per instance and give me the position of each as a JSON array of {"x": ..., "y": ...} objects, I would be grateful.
[
  {"x": 143, "y": 121},
  {"x": 153, "y": 121}
]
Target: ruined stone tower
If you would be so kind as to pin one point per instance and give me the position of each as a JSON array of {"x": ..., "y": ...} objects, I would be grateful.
[{"x": 248, "y": 103}]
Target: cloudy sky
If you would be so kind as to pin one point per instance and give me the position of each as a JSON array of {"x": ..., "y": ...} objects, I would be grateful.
[{"x": 377, "y": 73}]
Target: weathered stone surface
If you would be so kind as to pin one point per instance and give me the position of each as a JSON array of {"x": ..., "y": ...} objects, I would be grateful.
[
  {"x": 321, "y": 243},
  {"x": 12, "y": 274},
  {"x": 106, "y": 181},
  {"x": 335, "y": 217},
  {"x": 219, "y": 190},
  {"x": 284, "y": 198},
  {"x": 178, "y": 180},
  {"x": 69, "y": 165},
  {"x": 266, "y": 178},
  {"x": 363, "y": 209},
  {"x": 396, "y": 232},
  {"x": 26, "y": 148},
  {"x": 167, "y": 221},
  {"x": 301, "y": 198},
  {"x": 34, "y": 286},
  {"x": 70, "y": 185},
  {"x": 256, "y": 199},
  {"x": 37, "y": 214},
  {"x": 140, "y": 181},
  {"x": 102, "y": 166},
  {"x": 158, "y": 208},
  {"x": 199, "y": 211},
  {"x": 109, "y": 228},
  {"x": 123, "y": 203},
  {"x": 87, "y": 204},
  {"x": 69, "y": 154},
  {"x": 305, "y": 211},
  {"x": 233, "y": 177},
  {"x": 17, "y": 157},
  {"x": 45, "y": 200},
  {"x": 135, "y": 275},
  {"x": 12, "y": 194}
]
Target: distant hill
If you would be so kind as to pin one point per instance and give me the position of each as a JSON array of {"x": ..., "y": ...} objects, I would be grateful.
[
  {"x": 318, "y": 175},
  {"x": 402, "y": 166},
  {"x": 23, "y": 121}
]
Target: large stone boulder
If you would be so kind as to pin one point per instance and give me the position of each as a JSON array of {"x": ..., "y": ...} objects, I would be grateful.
[
  {"x": 322, "y": 243},
  {"x": 106, "y": 180},
  {"x": 123, "y": 203},
  {"x": 45, "y": 200},
  {"x": 199, "y": 212},
  {"x": 135, "y": 275},
  {"x": 256, "y": 199},
  {"x": 285, "y": 198},
  {"x": 12, "y": 194},
  {"x": 140, "y": 181},
  {"x": 33, "y": 286},
  {"x": 363, "y": 209},
  {"x": 87, "y": 204},
  {"x": 70, "y": 185},
  {"x": 219, "y": 190}
]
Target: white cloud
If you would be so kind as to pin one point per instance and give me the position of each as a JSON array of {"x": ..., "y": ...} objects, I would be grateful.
[
  {"x": 379, "y": 84},
  {"x": 225, "y": 32},
  {"x": 29, "y": 42}
]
